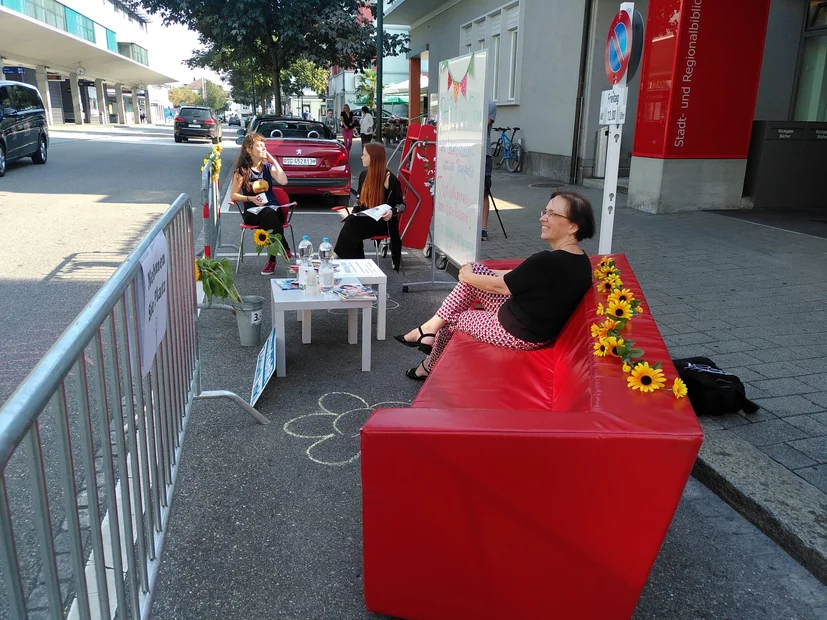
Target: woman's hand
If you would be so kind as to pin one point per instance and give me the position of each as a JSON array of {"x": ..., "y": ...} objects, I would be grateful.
[
  {"x": 260, "y": 199},
  {"x": 465, "y": 271},
  {"x": 387, "y": 215}
]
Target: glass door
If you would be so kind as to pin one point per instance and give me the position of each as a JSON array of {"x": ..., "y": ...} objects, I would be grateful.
[{"x": 811, "y": 99}]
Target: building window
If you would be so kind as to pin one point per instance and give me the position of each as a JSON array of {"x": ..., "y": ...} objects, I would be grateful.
[
  {"x": 47, "y": 11},
  {"x": 80, "y": 25},
  {"x": 487, "y": 33},
  {"x": 111, "y": 41},
  {"x": 496, "y": 61},
  {"x": 811, "y": 99},
  {"x": 512, "y": 68},
  {"x": 140, "y": 55}
]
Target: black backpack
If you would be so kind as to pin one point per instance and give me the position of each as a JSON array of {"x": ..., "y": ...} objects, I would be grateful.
[{"x": 713, "y": 391}]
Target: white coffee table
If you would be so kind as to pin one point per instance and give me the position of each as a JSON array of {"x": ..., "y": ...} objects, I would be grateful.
[{"x": 283, "y": 301}]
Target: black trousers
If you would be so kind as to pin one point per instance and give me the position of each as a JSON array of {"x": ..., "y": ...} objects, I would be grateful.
[
  {"x": 366, "y": 137},
  {"x": 355, "y": 230},
  {"x": 268, "y": 219}
]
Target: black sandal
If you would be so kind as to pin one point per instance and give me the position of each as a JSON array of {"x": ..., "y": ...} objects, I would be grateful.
[
  {"x": 411, "y": 374},
  {"x": 425, "y": 348}
]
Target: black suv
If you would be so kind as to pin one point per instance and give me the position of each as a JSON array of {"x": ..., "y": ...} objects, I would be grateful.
[
  {"x": 24, "y": 131},
  {"x": 197, "y": 122}
]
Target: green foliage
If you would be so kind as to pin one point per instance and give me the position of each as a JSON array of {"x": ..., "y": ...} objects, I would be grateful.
[
  {"x": 304, "y": 73},
  {"x": 216, "y": 97},
  {"x": 181, "y": 95},
  {"x": 278, "y": 33},
  {"x": 217, "y": 279},
  {"x": 274, "y": 247},
  {"x": 366, "y": 87}
]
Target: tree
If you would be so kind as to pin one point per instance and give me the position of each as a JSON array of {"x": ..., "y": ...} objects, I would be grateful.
[
  {"x": 366, "y": 88},
  {"x": 181, "y": 95},
  {"x": 277, "y": 33},
  {"x": 215, "y": 98},
  {"x": 304, "y": 73}
]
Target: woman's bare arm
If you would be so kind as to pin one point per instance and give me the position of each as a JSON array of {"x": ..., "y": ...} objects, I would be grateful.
[{"x": 279, "y": 176}]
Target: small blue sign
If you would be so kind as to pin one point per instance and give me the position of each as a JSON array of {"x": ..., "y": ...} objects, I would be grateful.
[
  {"x": 14, "y": 70},
  {"x": 265, "y": 367}
]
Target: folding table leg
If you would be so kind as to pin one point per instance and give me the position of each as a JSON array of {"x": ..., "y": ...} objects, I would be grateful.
[
  {"x": 367, "y": 319},
  {"x": 306, "y": 325},
  {"x": 352, "y": 324},
  {"x": 281, "y": 357}
]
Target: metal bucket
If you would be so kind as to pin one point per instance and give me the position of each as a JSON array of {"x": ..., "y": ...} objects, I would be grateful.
[{"x": 248, "y": 315}]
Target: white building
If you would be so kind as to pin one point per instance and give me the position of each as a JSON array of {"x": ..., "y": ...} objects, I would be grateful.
[{"x": 90, "y": 60}]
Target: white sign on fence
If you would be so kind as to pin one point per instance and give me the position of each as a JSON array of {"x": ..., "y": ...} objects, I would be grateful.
[
  {"x": 152, "y": 300},
  {"x": 265, "y": 367},
  {"x": 460, "y": 159}
]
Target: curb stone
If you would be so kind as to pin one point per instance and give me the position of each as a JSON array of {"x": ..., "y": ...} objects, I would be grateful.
[{"x": 774, "y": 499}]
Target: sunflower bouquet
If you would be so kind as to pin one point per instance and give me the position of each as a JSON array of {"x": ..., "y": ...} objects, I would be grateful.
[
  {"x": 272, "y": 242},
  {"x": 622, "y": 307},
  {"x": 215, "y": 158},
  {"x": 216, "y": 276}
]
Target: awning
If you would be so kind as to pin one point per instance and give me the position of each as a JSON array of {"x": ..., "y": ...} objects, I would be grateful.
[
  {"x": 26, "y": 41},
  {"x": 405, "y": 86},
  {"x": 406, "y": 12},
  {"x": 387, "y": 100}
]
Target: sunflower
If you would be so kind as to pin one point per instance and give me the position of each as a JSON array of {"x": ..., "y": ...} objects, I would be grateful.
[
  {"x": 620, "y": 310},
  {"x": 600, "y": 348},
  {"x": 645, "y": 378},
  {"x": 596, "y": 329},
  {"x": 614, "y": 280},
  {"x": 622, "y": 295},
  {"x": 601, "y": 330},
  {"x": 598, "y": 275},
  {"x": 261, "y": 237},
  {"x": 197, "y": 272},
  {"x": 626, "y": 367},
  {"x": 600, "y": 310},
  {"x": 606, "y": 262},
  {"x": 640, "y": 309},
  {"x": 605, "y": 270},
  {"x": 612, "y": 343},
  {"x": 605, "y": 287},
  {"x": 679, "y": 388}
]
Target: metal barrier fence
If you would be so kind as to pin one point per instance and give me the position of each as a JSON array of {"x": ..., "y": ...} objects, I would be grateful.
[
  {"x": 114, "y": 442},
  {"x": 211, "y": 213}
]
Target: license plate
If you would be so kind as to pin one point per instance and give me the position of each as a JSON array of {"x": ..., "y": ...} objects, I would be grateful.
[
  {"x": 299, "y": 161},
  {"x": 196, "y": 126}
]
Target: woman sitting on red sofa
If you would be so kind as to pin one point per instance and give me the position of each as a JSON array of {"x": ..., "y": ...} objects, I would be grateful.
[{"x": 524, "y": 308}]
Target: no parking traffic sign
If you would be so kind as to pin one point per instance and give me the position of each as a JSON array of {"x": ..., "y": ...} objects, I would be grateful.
[{"x": 623, "y": 46}]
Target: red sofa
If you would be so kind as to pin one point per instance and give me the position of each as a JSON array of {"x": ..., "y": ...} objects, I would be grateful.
[{"x": 525, "y": 484}]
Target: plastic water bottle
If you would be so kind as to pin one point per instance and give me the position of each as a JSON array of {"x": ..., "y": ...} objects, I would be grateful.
[
  {"x": 305, "y": 261},
  {"x": 325, "y": 266}
]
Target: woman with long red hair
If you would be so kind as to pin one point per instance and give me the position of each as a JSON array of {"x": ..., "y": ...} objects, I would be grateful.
[{"x": 377, "y": 186}]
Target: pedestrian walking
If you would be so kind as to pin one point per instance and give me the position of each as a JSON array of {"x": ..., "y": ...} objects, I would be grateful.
[
  {"x": 489, "y": 165},
  {"x": 366, "y": 126},
  {"x": 348, "y": 125}
]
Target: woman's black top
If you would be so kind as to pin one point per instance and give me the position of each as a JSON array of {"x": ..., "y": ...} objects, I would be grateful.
[
  {"x": 347, "y": 120},
  {"x": 264, "y": 174},
  {"x": 545, "y": 290}
]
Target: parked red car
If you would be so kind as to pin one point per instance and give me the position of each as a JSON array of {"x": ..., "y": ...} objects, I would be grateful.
[{"x": 316, "y": 164}]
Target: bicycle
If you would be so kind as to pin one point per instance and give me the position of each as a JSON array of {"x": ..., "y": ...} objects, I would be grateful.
[{"x": 505, "y": 150}]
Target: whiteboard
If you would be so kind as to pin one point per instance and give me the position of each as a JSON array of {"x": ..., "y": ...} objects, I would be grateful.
[{"x": 460, "y": 158}]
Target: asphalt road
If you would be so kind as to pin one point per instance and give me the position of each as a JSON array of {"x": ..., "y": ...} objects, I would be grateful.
[{"x": 259, "y": 530}]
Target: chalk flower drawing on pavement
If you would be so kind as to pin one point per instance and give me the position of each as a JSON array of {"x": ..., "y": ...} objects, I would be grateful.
[{"x": 335, "y": 429}]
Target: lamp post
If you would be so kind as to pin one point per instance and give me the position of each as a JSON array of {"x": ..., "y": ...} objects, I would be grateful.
[
  {"x": 253, "y": 85},
  {"x": 380, "y": 24}
]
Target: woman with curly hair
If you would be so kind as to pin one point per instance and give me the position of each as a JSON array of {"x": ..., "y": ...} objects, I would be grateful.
[
  {"x": 252, "y": 190},
  {"x": 377, "y": 186}
]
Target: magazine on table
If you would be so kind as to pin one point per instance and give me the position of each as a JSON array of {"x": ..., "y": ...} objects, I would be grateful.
[
  {"x": 348, "y": 292},
  {"x": 288, "y": 285},
  {"x": 376, "y": 213}
]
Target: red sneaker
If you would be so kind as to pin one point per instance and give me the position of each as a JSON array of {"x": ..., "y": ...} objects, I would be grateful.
[{"x": 269, "y": 268}]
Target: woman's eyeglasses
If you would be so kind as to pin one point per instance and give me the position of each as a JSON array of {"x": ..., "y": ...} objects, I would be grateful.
[{"x": 547, "y": 213}]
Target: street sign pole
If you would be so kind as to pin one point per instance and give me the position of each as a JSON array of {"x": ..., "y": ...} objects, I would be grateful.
[{"x": 613, "y": 111}]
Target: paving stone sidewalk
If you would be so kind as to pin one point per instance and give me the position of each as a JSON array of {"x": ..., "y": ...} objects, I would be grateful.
[{"x": 752, "y": 298}]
